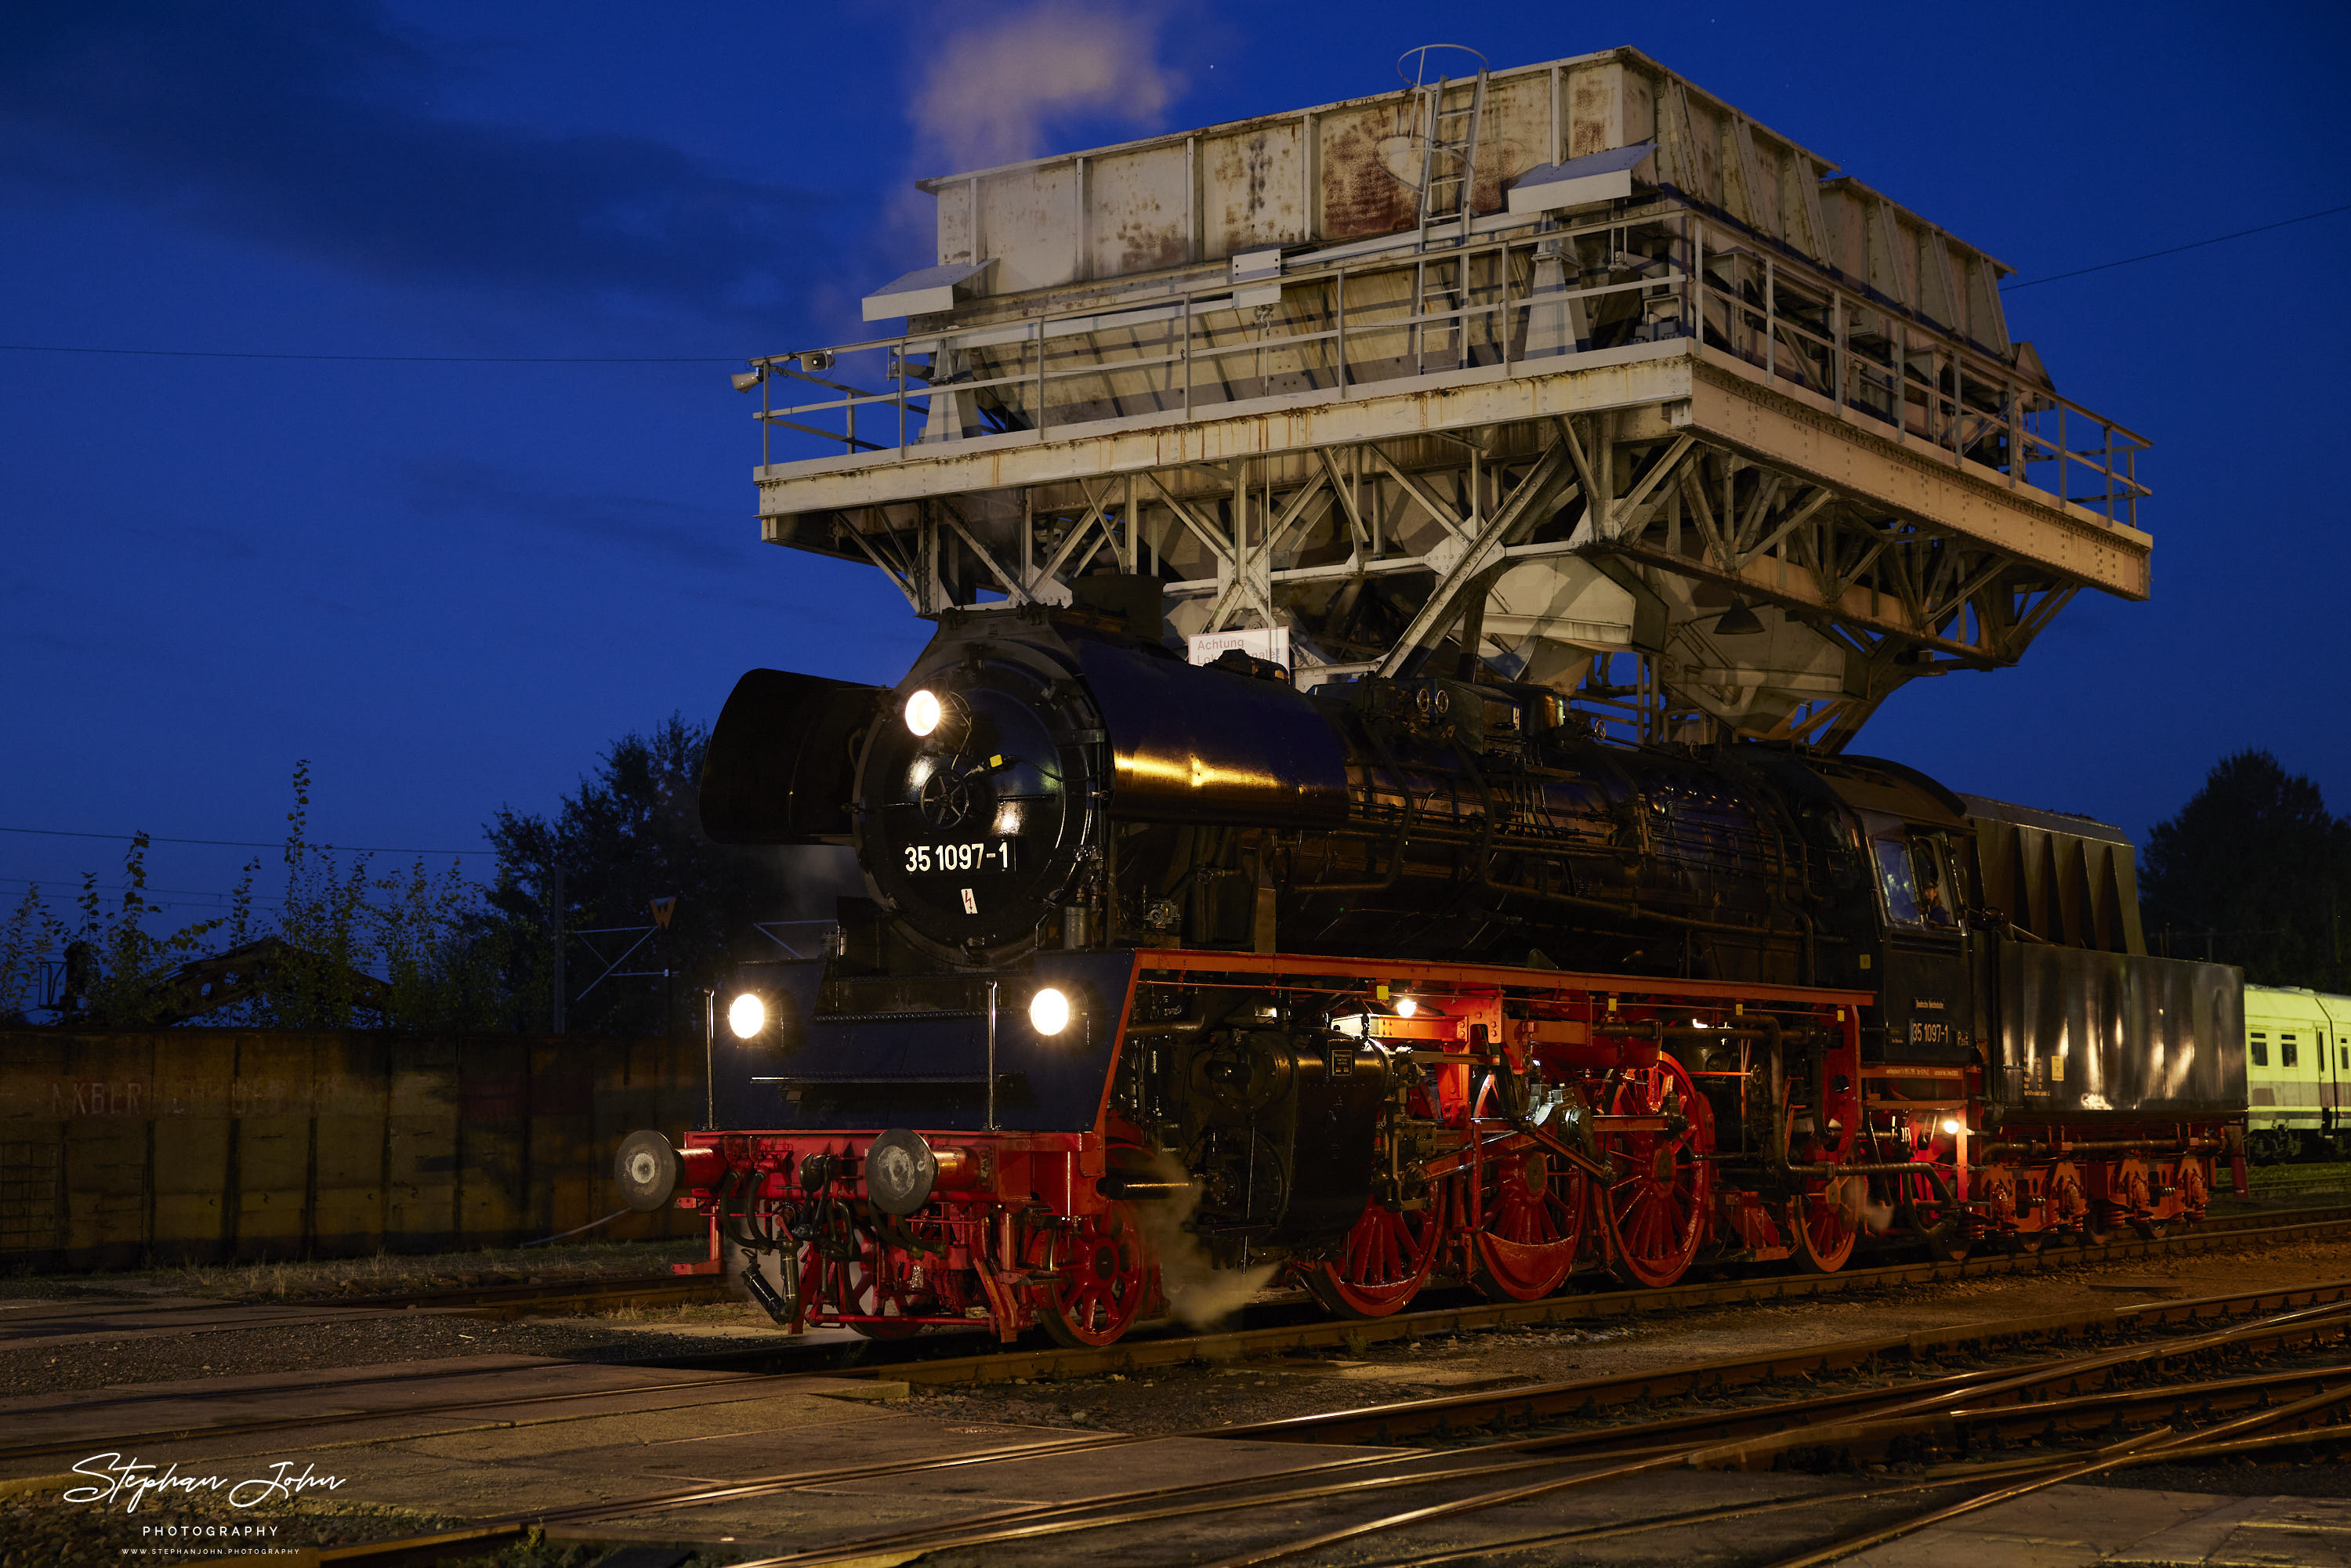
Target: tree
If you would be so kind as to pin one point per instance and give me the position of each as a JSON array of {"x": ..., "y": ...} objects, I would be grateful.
[
  {"x": 2255, "y": 868},
  {"x": 630, "y": 836},
  {"x": 347, "y": 949}
]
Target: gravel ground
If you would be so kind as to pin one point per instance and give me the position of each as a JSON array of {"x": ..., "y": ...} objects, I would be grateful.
[
  {"x": 46, "y": 1531},
  {"x": 386, "y": 1274},
  {"x": 1184, "y": 1398},
  {"x": 163, "y": 1357},
  {"x": 47, "y": 1534}
]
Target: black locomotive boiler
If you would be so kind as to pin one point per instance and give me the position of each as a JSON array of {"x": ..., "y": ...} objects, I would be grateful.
[{"x": 1388, "y": 981}]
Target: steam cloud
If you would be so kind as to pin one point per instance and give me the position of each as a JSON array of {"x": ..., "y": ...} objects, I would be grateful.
[
  {"x": 992, "y": 89},
  {"x": 1200, "y": 1294}
]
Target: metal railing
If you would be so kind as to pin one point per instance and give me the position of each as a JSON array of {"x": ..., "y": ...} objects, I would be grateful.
[{"x": 1517, "y": 302}]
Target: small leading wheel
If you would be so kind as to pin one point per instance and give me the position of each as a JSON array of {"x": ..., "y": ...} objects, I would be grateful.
[
  {"x": 1384, "y": 1262},
  {"x": 1095, "y": 1276},
  {"x": 1531, "y": 1206},
  {"x": 1823, "y": 1223},
  {"x": 885, "y": 1281},
  {"x": 1658, "y": 1181}
]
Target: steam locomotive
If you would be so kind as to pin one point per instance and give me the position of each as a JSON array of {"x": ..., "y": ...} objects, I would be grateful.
[{"x": 1172, "y": 976}]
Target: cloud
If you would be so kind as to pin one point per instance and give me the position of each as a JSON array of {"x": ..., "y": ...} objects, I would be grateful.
[
  {"x": 993, "y": 89},
  {"x": 303, "y": 125},
  {"x": 682, "y": 534}
]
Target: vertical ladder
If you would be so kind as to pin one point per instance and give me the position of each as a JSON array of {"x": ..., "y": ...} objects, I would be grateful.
[
  {"x": 1449, "y": 173},
  {"x": 1450, "y": 138}
]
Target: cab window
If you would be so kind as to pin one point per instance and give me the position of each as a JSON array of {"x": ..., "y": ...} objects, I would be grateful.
[
  {"x": 2258, "y": 1046},
  {"x": 1910, "y": 872}
]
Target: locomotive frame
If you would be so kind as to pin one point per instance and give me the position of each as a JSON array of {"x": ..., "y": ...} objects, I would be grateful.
[{"x": 1568, "y": 1125}]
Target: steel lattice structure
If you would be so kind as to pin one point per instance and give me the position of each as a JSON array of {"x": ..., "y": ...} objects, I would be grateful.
[{"x": 1568, "y": 375}]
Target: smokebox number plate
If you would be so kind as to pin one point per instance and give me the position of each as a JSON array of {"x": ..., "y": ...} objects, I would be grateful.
[{"x": 959, "y": 860}]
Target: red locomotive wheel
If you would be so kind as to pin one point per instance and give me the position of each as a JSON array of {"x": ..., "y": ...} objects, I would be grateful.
[
  {"x": 2188, "y": 1181},
  {"x": 1099, "y": 1277},
  {"x": 877, "y": 1282},
  {"x": 1532, "y": 1204},
  {"x": 1823, "y": 1223},
  {"x": 1996, "y": 1185},
  {"x": 1386, "y": 1261},
  {"x": 1658, "y": 1184}
]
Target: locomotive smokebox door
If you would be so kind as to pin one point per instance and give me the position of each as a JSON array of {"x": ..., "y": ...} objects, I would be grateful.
[{"x": 899, "y": 1171}]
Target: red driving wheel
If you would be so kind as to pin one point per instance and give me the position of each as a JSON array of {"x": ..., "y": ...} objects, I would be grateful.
[
  {"x": 1096, "y": 1276},
  {"x": 1530, "y": 1211},
  {"x": 1658, "y": 1182},
  {"x": 1824, "y": 1221},
  {"x": 1384, "y": 1262}
]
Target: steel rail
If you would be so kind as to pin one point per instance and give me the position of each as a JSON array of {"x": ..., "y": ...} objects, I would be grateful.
[
  {"x": 2148, "y": 1443},
  {"x": 2157, "y": 1446},
  {"x": 1038, "y": 1520},
  {"x": 1392, "y": 1421},
  {"x": 719, "y": 1383},
  {"x": 1132, "y": 1355},
  {"x": 626, "y": 1291},
  {"x": 1927, "y": 1415},
  {"x": 1381, "y": 1423},
  {"x": 1031, "y": 1521}
]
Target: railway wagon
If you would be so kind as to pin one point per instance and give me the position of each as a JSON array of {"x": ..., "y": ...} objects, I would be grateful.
[
  {"x": 1173, "y": 977},
  {"x": 2297, "y": 1067}
]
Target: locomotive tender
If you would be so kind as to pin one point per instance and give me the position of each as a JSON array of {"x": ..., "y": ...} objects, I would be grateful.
[{"x": 1387, "y": 982}]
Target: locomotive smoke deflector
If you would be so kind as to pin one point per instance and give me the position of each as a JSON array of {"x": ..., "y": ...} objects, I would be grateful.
[{"x": 781, "y": 765}]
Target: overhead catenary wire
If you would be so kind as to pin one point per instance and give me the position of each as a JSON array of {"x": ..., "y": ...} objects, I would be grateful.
[
  {"x": 737, "y": 358},
  {"x": 239, "y": 843},
  {"x": 2174, "y": 250},
  {"x": 380, "y": 358},
  {"x": 118, "y": 887}
]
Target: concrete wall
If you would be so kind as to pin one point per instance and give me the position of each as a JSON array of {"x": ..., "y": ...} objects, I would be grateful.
[{"x": 206, "y": 1145}]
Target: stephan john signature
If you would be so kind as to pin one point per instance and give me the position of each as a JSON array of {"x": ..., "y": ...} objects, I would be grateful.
[{"x": 133, "y": 1483}]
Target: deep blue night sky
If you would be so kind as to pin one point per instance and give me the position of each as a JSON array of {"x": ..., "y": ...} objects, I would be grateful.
[{"x": 450, "y": 585}]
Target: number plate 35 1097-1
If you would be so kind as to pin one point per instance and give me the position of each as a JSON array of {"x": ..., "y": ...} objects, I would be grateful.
[{"x": 979, "y": 855}]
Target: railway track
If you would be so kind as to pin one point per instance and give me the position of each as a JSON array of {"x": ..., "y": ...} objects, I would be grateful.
[
  {"x": 1384, "y": 1423},
  {"x": 1922, "y": 1419},
  {"x": 1138, "y": 1353},
  {"x": 524, "y": 1299}
]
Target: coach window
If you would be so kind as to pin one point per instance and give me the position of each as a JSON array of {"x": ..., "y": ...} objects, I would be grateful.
[
  {"x": 2260, "y": 1047},
  {"x": 2285, "y": 1050}
]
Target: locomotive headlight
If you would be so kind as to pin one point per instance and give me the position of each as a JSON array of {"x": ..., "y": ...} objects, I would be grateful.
[
  {"x": 1048, "y": 1011},
  {"x": 924, "y": 712},
  {"x": 1406, "y": 1006},
  {"x": 1951, "y": 1126},
  {"x": 746, "y": 1015}
]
